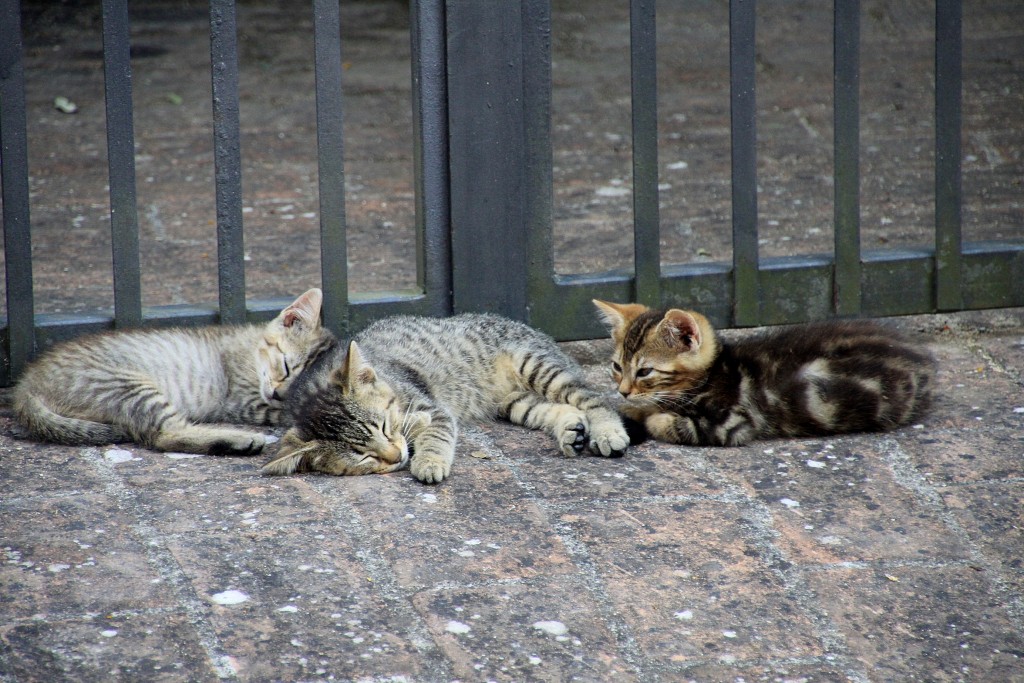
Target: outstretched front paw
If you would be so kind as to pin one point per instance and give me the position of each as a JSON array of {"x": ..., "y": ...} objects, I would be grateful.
[
  {"x": 608, "y": 437},
  {"x": 430, "y": 469}
]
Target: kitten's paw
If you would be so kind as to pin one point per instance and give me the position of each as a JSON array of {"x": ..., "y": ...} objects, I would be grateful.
[
  {"x": 609, "y": 439},
  {"x": 430, "y": 470},
  {"x": 242, "y": 444},
  {"x": 416, "y": 423},
  {"x": 573, "y": 439}
]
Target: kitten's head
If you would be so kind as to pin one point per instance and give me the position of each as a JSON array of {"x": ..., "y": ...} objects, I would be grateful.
[
  {"x": 290, "y": 341},
  {"x": 352, "y": 426},
  {"x": 658, "y": 353}
]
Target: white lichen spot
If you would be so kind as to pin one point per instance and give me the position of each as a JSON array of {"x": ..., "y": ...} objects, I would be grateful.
[
  {"x": 678, "y": 166},
  {"x": 58, "y": 568},
  {"x": 466, "y": 553},
  {"x": 118, "y": 455},
  {"x": 297, "y": 643},
  {"x": 473, "y": 541},
  {"x": 685, "y": 615},
  {"x": 790, "y": 503},
  {"x": 729, "y": 634},
  {"x": 288, "y": 608},
  {"x": 109, "y": 633},
  {"x": 554, "y": 628},
  {"x": 612, "y": 191},
  {"x": 535, "y": 660},
  {"x": 182, "y": 456},
  {"x": 1019, "y": 409},
  {"x": 816, "y": 464},
  {"x": 428, "y": 497},
  {"x": 230, "y": 597},
  {"x": 457, "y": 627}
]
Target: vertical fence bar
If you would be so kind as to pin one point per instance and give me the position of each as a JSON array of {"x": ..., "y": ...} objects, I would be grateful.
[
  {"x": 124, "y": 221},
  {"x": 646, "y": 215},
  {"x": 539, "y": 182},
  {"x": 227, "y": 158},
  {"x": 948, "y": 199},
  {"x": 331, "y": 163},
  {"x": 846, "y": 142},
  {"x": 15, "y": 192},
  {"x": 430, "y": 153},
  {"x": 488, "y": 151},
  {"x": 742, "y": 19}
]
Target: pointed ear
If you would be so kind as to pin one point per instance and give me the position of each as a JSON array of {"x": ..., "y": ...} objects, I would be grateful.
[
  {"x": 355, "y": 371},
  {"x": 305, "y": 309},
  {"x": 680, "y": 330},
  {"x": 618, "y": 316},
  {"x": 293, "y": 456}
]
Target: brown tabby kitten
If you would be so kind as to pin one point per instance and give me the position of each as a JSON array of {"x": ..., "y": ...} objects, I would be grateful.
[
  {"x": 152, "y": 386},
  {"x": 406, "y": 382},
  {"x": 688, "y": 386}
]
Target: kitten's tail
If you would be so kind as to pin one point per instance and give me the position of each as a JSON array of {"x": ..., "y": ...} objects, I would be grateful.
[{"x": 46, "y": 425}]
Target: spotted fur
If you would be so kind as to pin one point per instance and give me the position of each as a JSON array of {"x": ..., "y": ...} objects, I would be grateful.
[
  {"x": 396, "y": 394},
  {"x": 687, "y": 385},
  {"x": 153, "y": 386}
]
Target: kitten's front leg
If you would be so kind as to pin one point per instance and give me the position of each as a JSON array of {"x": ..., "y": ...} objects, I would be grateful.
[
  {"x": 672, "y": 428},
  {"x": 433, "y": 449}
]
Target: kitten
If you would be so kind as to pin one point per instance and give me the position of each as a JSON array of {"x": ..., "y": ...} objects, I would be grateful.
[
  {"x": 688, "y": 386},
  {"x": 152, "y": 386},
  {"x": 401, "y": 387}
]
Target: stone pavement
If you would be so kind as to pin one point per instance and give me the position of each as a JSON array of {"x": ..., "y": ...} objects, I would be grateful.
[{"x": 891, "y": 557}]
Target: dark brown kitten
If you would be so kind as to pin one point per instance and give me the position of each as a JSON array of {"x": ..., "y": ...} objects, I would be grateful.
[{"x": 687, "y": 385}]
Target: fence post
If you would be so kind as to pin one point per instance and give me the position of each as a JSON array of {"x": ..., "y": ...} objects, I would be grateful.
[{"x": 487, "y": 147}]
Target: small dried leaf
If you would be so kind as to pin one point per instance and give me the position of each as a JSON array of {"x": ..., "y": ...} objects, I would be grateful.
[
  {"x": 892, "y": 578},
  {"x": 480, "y": 454}
]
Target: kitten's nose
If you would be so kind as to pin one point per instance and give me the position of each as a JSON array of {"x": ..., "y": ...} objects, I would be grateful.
[
  {"x": 625, "y": 388},
  {"x": 276, "y": 396}
]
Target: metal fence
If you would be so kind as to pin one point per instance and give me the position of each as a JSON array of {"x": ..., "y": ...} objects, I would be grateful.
[{"x": 482, "y": 94}]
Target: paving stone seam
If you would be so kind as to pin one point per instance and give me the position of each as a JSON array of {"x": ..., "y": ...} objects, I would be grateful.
[
  {"x": 375, "y": 562},
  {"x": 588, "y": 579},
  {"x": 161, "y": 558},
  {"x": 905, "y": 474}
]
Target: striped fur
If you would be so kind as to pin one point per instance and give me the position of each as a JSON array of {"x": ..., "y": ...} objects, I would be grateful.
[
  {"x": 397, "y": 393},
  {"x": 688, "y": 386},
  {"x": 153, "y": 386}
]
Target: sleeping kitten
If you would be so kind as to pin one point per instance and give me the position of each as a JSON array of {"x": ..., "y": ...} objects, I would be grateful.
[
  {"x": 401, "y": 387},
  {"x": 688, "y": 386},
  {"x": 152, "y": 386}
]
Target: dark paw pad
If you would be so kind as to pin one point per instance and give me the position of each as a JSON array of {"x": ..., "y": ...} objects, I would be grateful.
[
  {"x": 228, "y": 448},
  {"x": 580, "y": 442}
]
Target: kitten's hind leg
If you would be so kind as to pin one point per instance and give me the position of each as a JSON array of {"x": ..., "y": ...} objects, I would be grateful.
[
  {"x": 185, "y": 437},
  {"x": 567, "y": 424}
]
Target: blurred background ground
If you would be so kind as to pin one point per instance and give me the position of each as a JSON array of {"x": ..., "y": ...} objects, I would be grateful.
[{"x": 590, "y": 131}]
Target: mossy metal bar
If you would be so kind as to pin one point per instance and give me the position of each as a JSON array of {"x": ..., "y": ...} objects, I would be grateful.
[
  {"x": 124, "y": 221},
  {"x": 227, "y": 158},
  {"x": 331, "y": 164}
]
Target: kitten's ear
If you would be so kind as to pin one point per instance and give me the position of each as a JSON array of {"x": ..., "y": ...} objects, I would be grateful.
[
  {"x": 618, "y": 316},
  {"x": 355, "y": 371},
  {"x": 305, "y": 309},
  {"x": 293, "y": 456},
  {"x": 681, "y": 330}
]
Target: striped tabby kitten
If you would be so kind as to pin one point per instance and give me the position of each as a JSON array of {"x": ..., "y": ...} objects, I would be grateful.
[
  {"x": 152, "y": 386},
  {"x": 400, "y": 388},
  {"x": 688, "y": 386}
]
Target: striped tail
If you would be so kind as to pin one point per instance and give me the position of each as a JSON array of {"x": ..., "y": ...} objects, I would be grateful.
[{"x": 46, "y": 425}]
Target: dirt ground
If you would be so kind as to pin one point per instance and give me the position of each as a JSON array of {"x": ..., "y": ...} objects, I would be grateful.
[{"x": 590, "y": 128}]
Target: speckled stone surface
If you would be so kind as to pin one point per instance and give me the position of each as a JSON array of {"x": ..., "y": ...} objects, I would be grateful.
[{"x": 891, "y": 557}]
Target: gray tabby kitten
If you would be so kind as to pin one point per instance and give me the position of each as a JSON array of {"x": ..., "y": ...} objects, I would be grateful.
[
  {"x": 688, "y": 386},
  {"x": 404, "y": 383},
  {"x": 153, "y": 386}
]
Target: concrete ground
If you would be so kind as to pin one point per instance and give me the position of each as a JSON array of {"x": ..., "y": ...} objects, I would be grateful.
[{"x": 891, "y": 557}]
